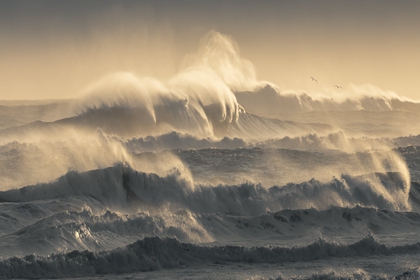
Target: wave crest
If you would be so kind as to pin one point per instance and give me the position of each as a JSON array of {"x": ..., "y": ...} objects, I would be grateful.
[{"x": 118, "y": 186}]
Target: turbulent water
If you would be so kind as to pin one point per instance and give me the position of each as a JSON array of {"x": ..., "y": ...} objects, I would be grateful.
[{"x": 210, "y": 174}]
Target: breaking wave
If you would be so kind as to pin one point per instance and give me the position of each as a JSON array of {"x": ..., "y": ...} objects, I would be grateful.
[
  {"x": 114, "y": 185},
  {"x": 269, "y": 100},
  {"x": 187, "y": 169}
]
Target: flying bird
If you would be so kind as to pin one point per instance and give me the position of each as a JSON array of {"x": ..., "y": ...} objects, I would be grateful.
[
  {"x": 337, "y": 86},
  {"x": 314, "y": 80}
]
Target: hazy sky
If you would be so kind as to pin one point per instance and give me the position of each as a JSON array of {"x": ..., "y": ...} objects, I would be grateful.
[{"x": 54, "y": 49}]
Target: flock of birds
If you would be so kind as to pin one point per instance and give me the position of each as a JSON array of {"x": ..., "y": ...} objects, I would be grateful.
[{"x": 315, "y": 80}]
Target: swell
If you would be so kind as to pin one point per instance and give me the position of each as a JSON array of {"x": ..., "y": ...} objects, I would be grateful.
[{"x": 156, "y": 253}]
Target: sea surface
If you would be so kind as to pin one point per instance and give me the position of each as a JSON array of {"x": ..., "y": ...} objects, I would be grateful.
[{"x": 190, "y": 179}]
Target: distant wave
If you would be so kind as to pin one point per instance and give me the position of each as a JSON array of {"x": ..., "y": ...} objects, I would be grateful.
[
  {"x": 333, "y": 141},
  {"x": 338, "y": 141},
  {"x": 175, "y": 140},
  {"x": 268, "y": 100},
  {"x": 156, "y": 253}
]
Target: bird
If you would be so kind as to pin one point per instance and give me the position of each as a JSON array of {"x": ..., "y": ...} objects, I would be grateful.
[
  {"x": 337, "y": 86},
  {"x": 314, "y": 80}
]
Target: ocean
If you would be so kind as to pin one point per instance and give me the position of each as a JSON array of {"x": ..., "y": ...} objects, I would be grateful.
[
  {"x": 206, "y": 183},
  {"x": 210, "y": 174}
]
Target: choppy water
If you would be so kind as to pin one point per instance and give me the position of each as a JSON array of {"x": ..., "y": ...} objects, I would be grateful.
[{"x": 198, "y": 178}]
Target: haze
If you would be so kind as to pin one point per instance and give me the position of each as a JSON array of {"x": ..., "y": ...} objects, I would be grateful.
[{"x": 55, "y": 49}]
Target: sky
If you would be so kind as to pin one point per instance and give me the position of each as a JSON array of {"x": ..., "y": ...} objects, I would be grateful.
[{"x": 54, "y": 49}]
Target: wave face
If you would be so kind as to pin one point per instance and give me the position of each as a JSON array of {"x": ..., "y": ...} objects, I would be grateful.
[{"x": 210, "y": 172}]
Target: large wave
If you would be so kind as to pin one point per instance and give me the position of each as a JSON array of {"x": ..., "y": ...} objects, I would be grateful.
[
  {"x": 209, "y": 97},
  {"x": 114, "y": 186},
  {"x": 198, "y": 100}
]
